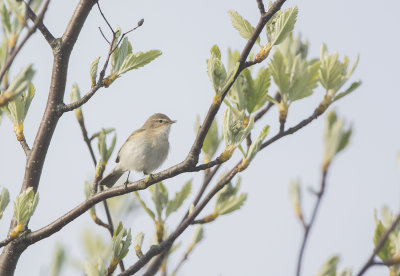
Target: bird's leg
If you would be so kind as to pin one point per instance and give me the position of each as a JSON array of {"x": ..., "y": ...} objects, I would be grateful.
[
  {"x": 148, "y": 177},
  {"x": 127, "y": 181}
]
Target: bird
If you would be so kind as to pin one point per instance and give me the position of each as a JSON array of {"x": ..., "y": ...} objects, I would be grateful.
[{"x": 144, "y": 150}]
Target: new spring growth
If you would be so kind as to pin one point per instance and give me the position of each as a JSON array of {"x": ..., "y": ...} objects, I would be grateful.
[
  {"x": 295, "y": 197},
  {"x": 333, "y": 74},
  {"x": 4, "y": 200},
  {"x": 263, "y": 53},
  {"x": 75, "y": 96},
  {"x": 24, "y": 207},
  {"x": 122, "y": 239},
  {"x": 138, "y": 244},
  {"x": 337, "y": 137}
]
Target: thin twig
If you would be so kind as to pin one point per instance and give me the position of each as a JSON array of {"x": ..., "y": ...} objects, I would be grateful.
[
  {"x": 104, "y": 36},
  {"x": 370, "y": 262},
  {"x": 291, "y": 130},
  {"x": 308, "y": 226},
  {"x": 25, "y": 146},
  {"x": 178, "y": 266},
  {"x": 51, "y": 40},
  {"x": 261, "y": 6},
  {"x": 15, "y": 51},
  {"x": 104, "y": 17}
]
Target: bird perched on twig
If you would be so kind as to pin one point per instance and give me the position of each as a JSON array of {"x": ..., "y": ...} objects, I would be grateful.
[{"x": 144, "y": 151}]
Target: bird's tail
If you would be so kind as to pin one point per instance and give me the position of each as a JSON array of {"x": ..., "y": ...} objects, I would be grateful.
[{"x": 112, "y": 177}]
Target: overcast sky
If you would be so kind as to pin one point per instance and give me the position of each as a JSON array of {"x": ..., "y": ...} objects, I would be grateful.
[{"x": 262, "y": 238}]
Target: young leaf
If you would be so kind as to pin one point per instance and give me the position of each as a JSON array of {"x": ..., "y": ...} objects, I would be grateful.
[
  {"x": 255, "y": 146},
  {"x": 216, "y": 69},
  {"x": 93, "y": 70},
  {"x": 242, "y": 25},
  {"x": 24, "y": 206},
  {"x": 4, "y": 200},
  {"x": 329, "y": 268},
  {"x": 305, "y": 80},
  {"x": 148, "y": 210},
  {"x": 228, "y": 200},
  {"x": 352, "y": 87},
  {"x": 159, "y": 195},
  {"x": 279, "y": 72},
  {"x": 387, "y": 251},
  {"x": 212, "y": 140},
  {"x": 258, "y": 92},
  {"x": 295, "y": 197},
  {"x": 140, "y": 59},
  {"x": 284, "y": 25},
  {"x": 177, "y": 201}
]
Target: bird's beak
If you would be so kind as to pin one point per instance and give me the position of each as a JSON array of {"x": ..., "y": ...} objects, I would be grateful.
[{"x": 173, "y": 122}]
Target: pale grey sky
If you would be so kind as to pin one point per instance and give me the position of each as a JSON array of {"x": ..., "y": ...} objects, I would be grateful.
[{"x": 262, "y": 238}]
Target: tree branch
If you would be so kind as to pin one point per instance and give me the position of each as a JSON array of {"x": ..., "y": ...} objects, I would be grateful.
[
  {"x": 307, "y": 227},
  {"x": 261, "y": 6},
  {"x": 370, "y": 262},
  {"x": 25, "y": 146},
  {"x": 42, "y": 28}
]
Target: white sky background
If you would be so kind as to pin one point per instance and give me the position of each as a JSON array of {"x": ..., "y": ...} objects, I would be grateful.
[{"x": 263, "y": 238}]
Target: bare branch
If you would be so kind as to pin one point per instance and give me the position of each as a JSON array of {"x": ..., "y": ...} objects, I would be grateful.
[
  {"x": 370, "y": 262},
  {"x": 42, "y": 28},
  {"x": 25, "y": 146},
  {"x": 261, "y": 6},
  {"x": 307, "y": 227},
  {"x": 104, "y": 17},
  {"x": 104, "y": 36}
]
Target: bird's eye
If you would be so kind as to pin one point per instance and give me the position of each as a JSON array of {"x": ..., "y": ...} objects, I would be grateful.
[{"x": 160, "y": 121}]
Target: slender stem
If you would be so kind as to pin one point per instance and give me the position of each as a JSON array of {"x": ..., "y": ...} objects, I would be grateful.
[
  {"x": 25, "y": 146},
  {"x": 307, "y": 227},
  {"x": 370, "y": 262},
  {"x": 260, "y": 5},
  {"x": 51, "y": 40}
]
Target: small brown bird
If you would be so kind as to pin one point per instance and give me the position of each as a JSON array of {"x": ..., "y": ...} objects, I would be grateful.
[{"x": 144, "y": 151}]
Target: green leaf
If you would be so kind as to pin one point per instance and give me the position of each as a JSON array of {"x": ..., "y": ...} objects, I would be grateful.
[
  {"x": 295, "y": 197},
  {"x": 284, "y": 25},
  {"x": 198, "y": 235},
  {"x": 212, "y": 140},
  {"x": 4, "y": 200},
  {"x": 141, "y": 202},
  {"x": 105, "y": 152},
  {"x": 25, "y": 205},
  {"x": 159, "y": 195},
  {"x": 387, "y": 251},
  {"x": 242, "y": 25},
  {"x": 255, "y": 146},
  {"x": 329, "y": 268},
  {"x": 97, "y": 269},
  {"x": 137, "y": 60},
  {"x": 305, "y": 80},
  {"x": 279, "y": 73},
  {"x": 232, "y": 204},
  {"x": 121, "y": 54},
  {"x": 138, "y": 240},
  {"x": 21, "y": 82},
  {"x": 234, "y": 129},
  {"x": 93, "y": 70},
  {"x": 59, "y": 258},
  {"x": 352, "y": 87},
  {"x": 216, "y": 69},
  {"x": 120, "y": 245},
  {"x": 258, "y": 92},
  {"x": 228, "y": 200},
  {"x": 180, "y": 196}
]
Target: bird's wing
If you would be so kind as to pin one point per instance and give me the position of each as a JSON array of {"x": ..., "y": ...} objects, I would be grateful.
[{"x": 129, "y": 138}]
